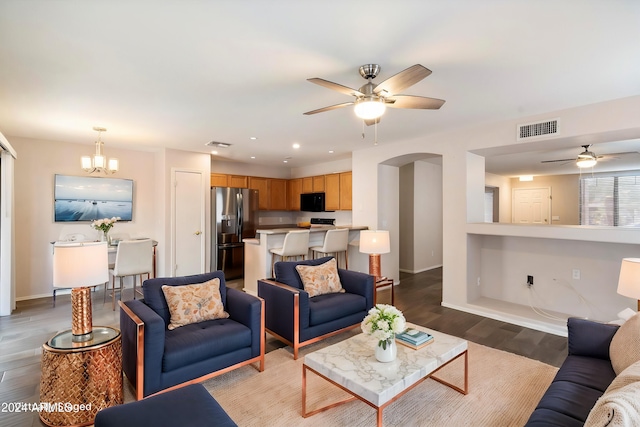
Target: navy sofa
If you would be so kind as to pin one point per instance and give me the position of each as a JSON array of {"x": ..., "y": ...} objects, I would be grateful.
[
  {"x": 582, "y": 379},
  {"x": 190, "y": 406},
  {"x": 297, "y": 320},
  {"x": 155, "y": 358}
]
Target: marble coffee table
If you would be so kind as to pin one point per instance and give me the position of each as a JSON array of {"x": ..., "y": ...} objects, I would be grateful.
[{"x": 351, "y": 365}]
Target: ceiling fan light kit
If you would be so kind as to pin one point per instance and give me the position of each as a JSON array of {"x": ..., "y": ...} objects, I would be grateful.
[
  {"x": 587, "y": 158},
  {"x": 372, "y": 99},
  {"x": 370, "y": 109}
]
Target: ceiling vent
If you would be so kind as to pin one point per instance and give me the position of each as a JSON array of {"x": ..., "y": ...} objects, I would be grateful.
[
  {"x": 541, "y": 129},
  {"x": 218, "y": 144}
]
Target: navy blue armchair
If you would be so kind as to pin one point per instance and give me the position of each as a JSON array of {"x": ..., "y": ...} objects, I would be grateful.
[
  {"x": 155, "y": 358},
  {"x": 297, "y": 320}
]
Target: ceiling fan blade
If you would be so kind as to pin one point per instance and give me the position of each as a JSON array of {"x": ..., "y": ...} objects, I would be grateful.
[
  {"x": 335, "y": 86},
  {"x": 405, "y": 78},
  {"x": 332, "y": 107},
  {"x": 370, "y": 122},
  {"x": 410, "y": 101},
  {"x": 558, "y": 160}
]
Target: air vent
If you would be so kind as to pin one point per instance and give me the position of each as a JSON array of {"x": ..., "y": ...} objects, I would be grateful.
[
  {"x": 534, "y": 130},
  {"x": 218, "y": 144}
]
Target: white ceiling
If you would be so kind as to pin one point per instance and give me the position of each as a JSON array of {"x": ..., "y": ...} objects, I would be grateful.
[{"x": 182, "y": 73}]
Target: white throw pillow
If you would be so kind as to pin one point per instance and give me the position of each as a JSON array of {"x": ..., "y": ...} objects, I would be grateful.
[{"x": 624, "y": 350}]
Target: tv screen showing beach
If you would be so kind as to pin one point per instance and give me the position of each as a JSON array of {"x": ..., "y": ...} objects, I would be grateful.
[{"x": 83, "y": 198}]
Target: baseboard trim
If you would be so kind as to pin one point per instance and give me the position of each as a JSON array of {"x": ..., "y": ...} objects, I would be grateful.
[{"x": 403, "y": 270}]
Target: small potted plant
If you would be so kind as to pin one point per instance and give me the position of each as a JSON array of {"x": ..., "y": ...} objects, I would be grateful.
[
  {"x": 383, "y": 322},
  {"x": 105, "y": 225}
]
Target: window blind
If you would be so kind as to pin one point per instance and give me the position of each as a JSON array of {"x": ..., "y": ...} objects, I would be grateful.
[{"x": 610, "y": 201}]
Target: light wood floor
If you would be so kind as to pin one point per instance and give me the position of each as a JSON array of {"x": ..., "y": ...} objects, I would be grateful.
[{"x": 418, "y": 296}]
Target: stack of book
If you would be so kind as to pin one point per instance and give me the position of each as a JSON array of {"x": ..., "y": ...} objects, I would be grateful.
[{"x": 414, "y": 338}]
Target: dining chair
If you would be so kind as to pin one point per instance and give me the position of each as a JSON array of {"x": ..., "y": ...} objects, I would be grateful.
[{"x": 133, "y": 258}]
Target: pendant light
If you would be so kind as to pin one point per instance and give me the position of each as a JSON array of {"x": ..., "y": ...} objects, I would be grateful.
[{"x": 98, "y": 163}]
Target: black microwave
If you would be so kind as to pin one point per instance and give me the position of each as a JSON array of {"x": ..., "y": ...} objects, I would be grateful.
[{"x": 312, "y": 202}]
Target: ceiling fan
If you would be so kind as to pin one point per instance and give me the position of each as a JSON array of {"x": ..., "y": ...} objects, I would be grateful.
[
  {"x": 586, "y": 159},
  {"x": 372, "y": 99}
]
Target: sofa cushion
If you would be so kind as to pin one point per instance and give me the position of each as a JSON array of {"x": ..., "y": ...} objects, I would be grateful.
[
  {"x": 286, "y": 271},
  {"x": 328, "y": 307},
  {"x": 586, "y": 371},
  {"x": 618, "y": 408},
  {"x": 194, "y": 303},
  {"x": 543, "y": 417},
  {"x": 625, "y": 345},
  {"x": 154, "y": 297},
  {"x": 200, "y": 341},
  {"x": 320, "y": 279},
  {"x": 571, "y": 399}
]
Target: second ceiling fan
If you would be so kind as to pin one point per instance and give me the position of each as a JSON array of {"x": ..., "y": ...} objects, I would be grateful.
[{"x": 372, "y": 99}]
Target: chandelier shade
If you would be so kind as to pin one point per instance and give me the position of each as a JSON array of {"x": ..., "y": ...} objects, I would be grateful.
[{"x": 98, "y": 162}]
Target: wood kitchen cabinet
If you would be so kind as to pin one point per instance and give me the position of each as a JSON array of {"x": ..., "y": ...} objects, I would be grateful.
[
  {"x": 294, "y": 189},
  {"x": 219, "y": 180},
  {"x": 278, "y": 195},
  {"x": 262, "y": 185},
  {"x": 319, "y": 184},
  {"x": 307, "y": 185},
  {"x": 332, "y": 192},
  {"x": 345, "y": 191},
  {"x": 238, "y": 181}
]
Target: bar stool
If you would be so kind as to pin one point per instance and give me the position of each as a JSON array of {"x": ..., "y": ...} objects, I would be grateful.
[
  {"x": 296, "y": 243},
  {"x": 335, "y": 242}
]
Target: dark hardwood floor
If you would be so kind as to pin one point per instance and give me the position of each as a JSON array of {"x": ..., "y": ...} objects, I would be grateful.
[{"x": 419, "y": 296}]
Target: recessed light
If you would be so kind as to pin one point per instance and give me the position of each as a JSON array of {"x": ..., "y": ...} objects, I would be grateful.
[
  {"x": 253, "y": 138},
  {"x": 330, "y": 151},
  {"x": 296, "y": 145},
  {"x": 253, "y": 157},
  {"x": 214, "y": 152},
  {"x": 285, "y": 161}
]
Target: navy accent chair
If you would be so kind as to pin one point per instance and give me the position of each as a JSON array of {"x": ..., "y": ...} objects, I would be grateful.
[
  {"x": 297, "y": 320},
  {"x": 155, "y": 358},
  {"x": 190, "y": 406}
]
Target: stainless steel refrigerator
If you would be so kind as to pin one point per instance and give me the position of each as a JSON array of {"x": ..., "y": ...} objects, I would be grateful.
[{"x": 235, "y": 215}]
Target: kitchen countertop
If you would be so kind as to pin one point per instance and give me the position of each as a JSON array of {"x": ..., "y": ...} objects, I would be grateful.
[{"x": 314, "y": 228}]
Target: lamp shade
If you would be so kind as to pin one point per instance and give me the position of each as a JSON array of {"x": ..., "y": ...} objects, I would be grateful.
[
  {"x": 374, "y": 242},
  {"x": 78, "y": 265},
  {"x": 629, "y": 281}
]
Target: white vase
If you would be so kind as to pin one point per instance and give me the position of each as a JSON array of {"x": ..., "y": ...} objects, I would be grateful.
[{"x": 387, "y": 354}]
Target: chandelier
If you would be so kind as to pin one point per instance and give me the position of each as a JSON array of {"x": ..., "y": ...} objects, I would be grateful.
[{"x": 98, "y": 163}]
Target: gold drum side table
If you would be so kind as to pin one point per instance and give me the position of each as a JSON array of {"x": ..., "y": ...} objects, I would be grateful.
[{"x": 80, "y": 379}]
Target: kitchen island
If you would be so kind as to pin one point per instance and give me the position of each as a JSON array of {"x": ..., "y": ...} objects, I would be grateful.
[{"x": 257, "y": 258}]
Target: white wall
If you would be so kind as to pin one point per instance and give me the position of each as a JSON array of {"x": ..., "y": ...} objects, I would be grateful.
[
  {"x": 607, "y": 121},
  {"x": 35, "y": 168},
  {"x": 503, "y": 184},
  {"x": 407, "y": 221},
  {"x": 427, "y": 244}
]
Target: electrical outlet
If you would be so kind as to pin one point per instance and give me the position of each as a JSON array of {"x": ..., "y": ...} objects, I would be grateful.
[
  {"x": 576, "y": 274},
  {"x": 478, "y": 281},
  {"x": 529, "y": 280}
]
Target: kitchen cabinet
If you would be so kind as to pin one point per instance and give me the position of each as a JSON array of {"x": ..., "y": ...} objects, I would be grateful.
[
  {"x": 262, "y": 185},
  {"x": 294, "y": 189},
  {"x": 307, "y": 184},
  {"x": 219, "y": 180},
  {"x": 278, "y": 195},
  {"x": 319, "y": 184},
  {"x": 332, "y": 192},
  {"x": 345, "y": 191},
  {"x": 238, "y": 181}
]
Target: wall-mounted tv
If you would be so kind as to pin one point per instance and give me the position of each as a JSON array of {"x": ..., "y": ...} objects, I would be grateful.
[{"x": 84, "y": 198}]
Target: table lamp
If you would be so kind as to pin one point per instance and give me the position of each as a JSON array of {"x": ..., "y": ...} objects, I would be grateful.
[
  {"x": 629, "y": 281},
  {"x": 79, "y": 266},
  {"x": 374, "y": 243}
]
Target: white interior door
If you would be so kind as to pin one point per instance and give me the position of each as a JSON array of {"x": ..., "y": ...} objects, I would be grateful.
[
  {"x": 188, "y": 223},
  {"x": 531, "y": 206}
]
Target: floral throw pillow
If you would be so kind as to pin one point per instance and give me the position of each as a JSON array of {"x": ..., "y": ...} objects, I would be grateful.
[
  {"x": 194, "y": 303},
  {"x": 320, "y": 279}
]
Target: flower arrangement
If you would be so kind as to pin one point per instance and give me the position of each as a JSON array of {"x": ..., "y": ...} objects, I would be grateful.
[
  {"x": 104, "y": 224},
  {"x": 383, "y": 322}
]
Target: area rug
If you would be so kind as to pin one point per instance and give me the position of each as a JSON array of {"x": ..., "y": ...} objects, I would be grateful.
[{"x": 503, "y": 391}]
